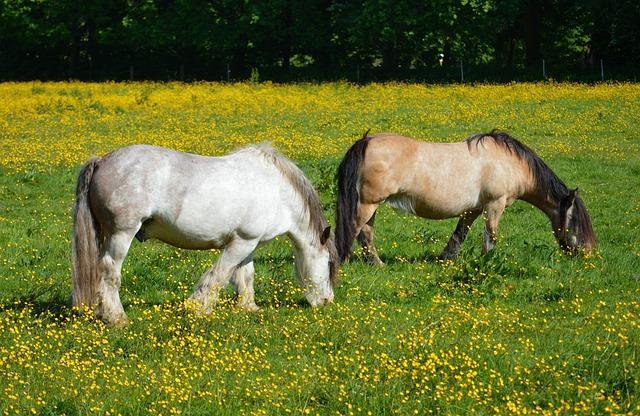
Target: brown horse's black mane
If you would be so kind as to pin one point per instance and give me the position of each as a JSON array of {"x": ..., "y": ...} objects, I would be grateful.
[{"x": 546, "y": 180}]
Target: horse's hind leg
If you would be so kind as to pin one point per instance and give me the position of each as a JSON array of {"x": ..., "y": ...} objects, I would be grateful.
[
  {"x": 452, "y": 249},
  {"x": 109, "y": 307},
  {"x": 243, "y": 282},
  {"x": 207, "y": 291},
  {"x": 365, "y": 237},
  {"x": 492, "y": 211}
]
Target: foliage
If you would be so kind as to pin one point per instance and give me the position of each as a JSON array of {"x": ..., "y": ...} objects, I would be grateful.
[
  {"x": 318, "y": 39},
  {"x": 525, "y": 329}
]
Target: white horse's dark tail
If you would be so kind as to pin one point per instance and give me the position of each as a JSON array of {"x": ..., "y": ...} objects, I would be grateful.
[
  {"x": 349, "y": 196},
  {"x": 85, "y": 243}
]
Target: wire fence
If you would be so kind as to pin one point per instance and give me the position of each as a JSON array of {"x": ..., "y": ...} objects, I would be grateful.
[{"x": 452, "y": 71}]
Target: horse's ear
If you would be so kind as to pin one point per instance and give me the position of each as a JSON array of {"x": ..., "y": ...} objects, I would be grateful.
[
  {"x": 326, "y": 233},
  {"x": 573, "y": 194}
]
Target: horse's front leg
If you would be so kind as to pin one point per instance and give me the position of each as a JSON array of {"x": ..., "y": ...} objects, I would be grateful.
[
  {"x": 243, "y": 282},
  {"x": 207, "y": 292},
  {"x": 365, "y": 238},
  {"x": 452, "y": 249},
  {"x": 492, "y": 213},
  {"x": 364, "y": 231}
]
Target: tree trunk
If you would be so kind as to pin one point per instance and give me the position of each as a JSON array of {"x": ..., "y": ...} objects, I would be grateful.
[
  {"x": 287, "y": 40},
  {"x": 390, "y": 58},
  {"x": 92, "y": 54},
  {"x": 74, "y": 50},
  {"x": 532, "y": 26}
]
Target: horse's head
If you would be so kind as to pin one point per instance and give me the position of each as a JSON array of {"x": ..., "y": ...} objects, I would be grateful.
[
  {"x": 573, "y": 229},
  {"x": 317, "y": 269}
]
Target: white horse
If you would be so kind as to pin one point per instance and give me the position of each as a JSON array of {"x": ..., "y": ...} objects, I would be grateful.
[{"x": 234, "y": 202}]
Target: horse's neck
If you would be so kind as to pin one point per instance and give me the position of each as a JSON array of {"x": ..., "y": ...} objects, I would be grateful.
[
  {"x": 302, "y": 232},
  {"x": 544, "y": 202},
  {"x": 301, "y": 235}
]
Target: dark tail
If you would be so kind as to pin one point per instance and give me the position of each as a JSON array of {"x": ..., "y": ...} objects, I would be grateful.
[
  {"x": 349, "y": 196},
  {"x": 85, "y": 246}
]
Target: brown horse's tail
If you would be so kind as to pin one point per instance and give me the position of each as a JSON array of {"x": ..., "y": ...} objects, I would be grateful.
[
  {"x": 349, "y": 196},
  {"x": 85, "y": 245}
]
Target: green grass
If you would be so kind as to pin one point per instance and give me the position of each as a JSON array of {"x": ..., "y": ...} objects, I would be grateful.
[{"x": 524, "y": 328}]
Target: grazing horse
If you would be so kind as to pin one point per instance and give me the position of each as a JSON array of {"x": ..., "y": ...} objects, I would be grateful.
[
  {"x": 234, "y": 202},
  {"x": 483, "y": 174}
]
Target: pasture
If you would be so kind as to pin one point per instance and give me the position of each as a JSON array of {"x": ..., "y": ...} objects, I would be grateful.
[{"x": 522, "y": 330}]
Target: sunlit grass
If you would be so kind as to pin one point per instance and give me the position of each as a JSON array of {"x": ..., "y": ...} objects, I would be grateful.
[
  {"x": 523, "y": 330},
  {"x": 64, "y": 123}
]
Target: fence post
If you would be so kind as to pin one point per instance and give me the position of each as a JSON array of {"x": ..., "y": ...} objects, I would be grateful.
[
  {"x": 601, "y": 70},
  {"x": 228, "y": 73},
  {"x": 544, "y": 70},
  {"x": 461, "y": 72},
  {"x": 130, "y": 72}
]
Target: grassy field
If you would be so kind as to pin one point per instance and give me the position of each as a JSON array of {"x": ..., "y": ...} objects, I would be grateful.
[{"x": 522, "y": 330}]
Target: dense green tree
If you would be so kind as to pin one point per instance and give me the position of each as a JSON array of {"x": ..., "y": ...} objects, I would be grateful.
[{"x": 321, "y": 39}]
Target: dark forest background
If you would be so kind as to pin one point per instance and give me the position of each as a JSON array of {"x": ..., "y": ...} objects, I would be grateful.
[{"x": 286, "y": 40}]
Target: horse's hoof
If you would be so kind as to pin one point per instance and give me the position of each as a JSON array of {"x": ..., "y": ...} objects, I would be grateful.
[
  {"x": 121, "y": 322},
  {"x": 249, "y": 307},
  {"x": 377, "y": 263},
  {"x": 447, "y": 256},
  {"x": 198, "y": 307},
  {"x": 204, "y": 305},
  {"x": 118, "y": 321}
]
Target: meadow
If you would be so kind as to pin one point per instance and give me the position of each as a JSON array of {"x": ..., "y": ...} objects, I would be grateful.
[{"x": 522, "y": 330}]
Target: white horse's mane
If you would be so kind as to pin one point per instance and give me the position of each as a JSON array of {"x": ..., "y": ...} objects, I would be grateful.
[
  {"x": 307, "y": 193},
  {"x": 297, "y": 179}
]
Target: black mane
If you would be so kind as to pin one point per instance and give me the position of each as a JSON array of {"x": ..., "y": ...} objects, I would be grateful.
[{"x": 546, "y": 180}]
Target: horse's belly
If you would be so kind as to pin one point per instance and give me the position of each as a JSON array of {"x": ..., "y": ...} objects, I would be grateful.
[
  {"x": 184, "y": 237},
  {"x": 437, "y": 211},
  {"x": 433, "y": 207}
]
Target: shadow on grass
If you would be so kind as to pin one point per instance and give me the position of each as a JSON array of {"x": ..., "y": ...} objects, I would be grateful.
[
  {"x": 39, "y": 305},
  {"x": 388, "y": 259}
]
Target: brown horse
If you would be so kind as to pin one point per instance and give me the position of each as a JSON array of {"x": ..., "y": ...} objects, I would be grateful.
[{"x": 483, "y": 174}]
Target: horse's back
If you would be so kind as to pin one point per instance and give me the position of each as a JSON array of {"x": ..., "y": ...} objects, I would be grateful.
[
  {"x": 402, "y": 162},
  {"x": 184, "y": 199},
  {"x": 140, "y": 171}
]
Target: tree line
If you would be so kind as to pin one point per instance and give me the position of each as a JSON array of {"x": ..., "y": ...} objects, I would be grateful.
[{"x": 285, "y": 40}]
